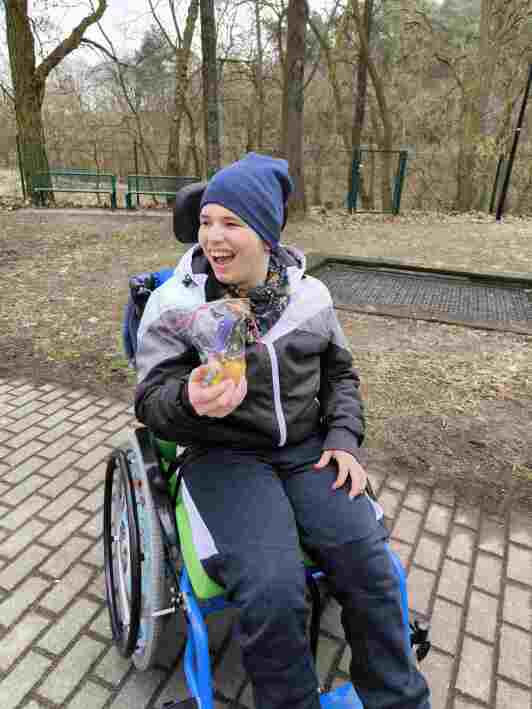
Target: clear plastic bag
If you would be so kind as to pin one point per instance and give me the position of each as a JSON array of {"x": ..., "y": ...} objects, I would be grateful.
[{"x": 218, "y": 332}]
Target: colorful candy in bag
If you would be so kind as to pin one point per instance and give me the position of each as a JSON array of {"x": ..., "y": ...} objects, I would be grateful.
[{"x": 219, "y": 335}]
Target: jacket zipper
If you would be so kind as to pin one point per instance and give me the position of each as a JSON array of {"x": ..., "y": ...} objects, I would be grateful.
[{"x": 281, "y": 421}]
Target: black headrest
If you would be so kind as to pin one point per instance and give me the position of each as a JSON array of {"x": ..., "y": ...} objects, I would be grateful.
[
  {"x": 187, "y": 209},
  {"x": 186, "y": 212}
]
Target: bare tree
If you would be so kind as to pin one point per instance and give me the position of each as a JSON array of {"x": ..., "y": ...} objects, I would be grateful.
[
  {"x": 293, "y": 99},
  {"x": 29, "y": 78},
  {"x": 210, "y": 86}
]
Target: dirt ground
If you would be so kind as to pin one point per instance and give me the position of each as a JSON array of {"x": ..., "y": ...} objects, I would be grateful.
[{"x": 447, "y": 404}]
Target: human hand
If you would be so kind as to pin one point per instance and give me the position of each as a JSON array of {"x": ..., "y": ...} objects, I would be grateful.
[
  {"x": 348, "y": 466},
  {"x": 216, "y": 400}
]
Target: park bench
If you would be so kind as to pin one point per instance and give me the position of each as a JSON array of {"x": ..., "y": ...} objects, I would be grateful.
[
  {"x": 155, "y": 185},
  {"x": 75, "y": 180}
]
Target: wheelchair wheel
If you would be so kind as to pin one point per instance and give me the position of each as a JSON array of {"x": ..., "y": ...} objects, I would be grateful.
[
  {"x": 121, "y": 554},
  {"x": 156, "y": 580}
]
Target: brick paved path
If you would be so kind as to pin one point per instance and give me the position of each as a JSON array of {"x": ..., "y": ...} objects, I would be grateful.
[{"x": 473, "y": 574}]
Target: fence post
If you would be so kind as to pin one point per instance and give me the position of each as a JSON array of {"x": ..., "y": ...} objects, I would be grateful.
[
  {"x": 500, "y": 163},
  {"x": 399, "y": 182},
  {"x": 353, "y": 194},
  {"x": 21, "y": 169},
  {"x": 136, "y": 157}
]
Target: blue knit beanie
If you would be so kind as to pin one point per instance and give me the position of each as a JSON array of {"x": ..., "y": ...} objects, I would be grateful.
[{"x": 255, "y": 188}]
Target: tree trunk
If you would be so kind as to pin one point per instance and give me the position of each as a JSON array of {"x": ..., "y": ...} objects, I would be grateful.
[
  {"x": 210, "y": 87},
  {"x": 293, "y": 100},
  {"x": 29, "y": 80},
  {"x": 173, "y": 165},
  {"x": 362, "y": 91},
  {"x": 259, "y": 79}
]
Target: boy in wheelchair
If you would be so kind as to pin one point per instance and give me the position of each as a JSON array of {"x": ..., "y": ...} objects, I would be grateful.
[{"x": 274, "y": 459}]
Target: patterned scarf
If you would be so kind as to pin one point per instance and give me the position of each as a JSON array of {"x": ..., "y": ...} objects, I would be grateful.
[{"x": 267, "y": 302}]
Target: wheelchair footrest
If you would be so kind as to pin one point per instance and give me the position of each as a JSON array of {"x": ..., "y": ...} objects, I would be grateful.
[
  {"x": 181, "y": 704},
  {"x": 343, "y": 697}
]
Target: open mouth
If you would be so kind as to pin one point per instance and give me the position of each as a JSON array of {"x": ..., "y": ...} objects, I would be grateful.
[{"x": 222, "y": 259}]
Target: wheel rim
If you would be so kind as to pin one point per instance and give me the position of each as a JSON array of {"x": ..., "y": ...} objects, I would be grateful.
[{"x": 122, "y": 554}]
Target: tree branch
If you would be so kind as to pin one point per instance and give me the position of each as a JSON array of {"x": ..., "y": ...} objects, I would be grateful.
[{"x": 70, "y": 43}]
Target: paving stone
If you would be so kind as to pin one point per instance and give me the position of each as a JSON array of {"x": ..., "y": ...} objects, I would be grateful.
[
  {"x": 482, "y": 615},
  {"x": 437, "y": 668},
  {"x": 407, "y": 525},
  {"x": 101, "y": 624},
  {"x": 515, "y": 657},
  {"x": 463, "y": 703},
  {"x": 511, "y": 697},
  {"x": 113, "y": 668},
  {"x": 27, "y": 435},
  {"x": 51, "y": 395},
  {"x": 69, "y": 672},
  {"x": 461, "y": 544},
  {"x": 89, "y": 442},
  {"x": 49, "y": 387},
  {"x": 94, "y": 501},
  {"x": 21, "y": 514},
  {"x": 113, "y": 411},
  {"x": 14, "y": 572},
  {"x": 54, "y": 407},
  {"x": 23, "y": 453},
  {"x": 121, "y": 436},
  {"x": 90, "y": 695},
  {"x": 475, "y": 671},
  {"x": 95, "y": 556},
  {"x": 66, "y": 588},
  {"x": 25, "y": 397},
  {"x": 488, "y": 571},
  {"x": 520, "y": 564},
  {"x": 439, "y": 519},
  {"x": 521, "y": 529},
  {"x": 17, "y": 603},
  {"x": 453, "y": 581},
  {"x": 429, "y": 552},
  {"x": 138, "y": 690},
  {"x": 117, "y": 423},
  {"x": 492, "y": 536},
  {"x": 68, "y": 626},
  {"x": 23, "y": 490},
  {"x": 517, "y": 607},
  {"x": 62, "y": 504},
  {"x": 85, "y": 414},
  {"x": 53, "y": 434},
  {"x": 19, "y": 638},
  {"x": 24, "y": 536},
  {"x": 176, "y": 690},
  {"x": 420, "y": 585},
  {"x": 53, "y": 420},
  {"x": 85, "y": 429},
  {"x": 56, "y": 466},
  {"x": 389, "y": 501},
  {"x": 77, "y": 393},
  {"x": 67, "y": 479},
  {"x": 445, "y": 625},
  {"x": 20, "y": 681},
  {"x": 96, "y": 477},
  {"x": 417, "y": 499},
  {"x": 468, "y": 517},
  {"x": 58, "y": 563},
  {"x": 97, "y": 588},
  {"x": 94, "y": 527},
  {"x": 91, "y": 459},
  {"x": 444, "y": 497},
  {"x": 80, "y": 404},
  {"x": 62, "y": 444},
  {"x": 23, "y": 411},
  {"x": 64, "y": 529}
]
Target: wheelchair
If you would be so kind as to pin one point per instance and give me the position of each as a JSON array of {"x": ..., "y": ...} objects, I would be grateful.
[{"x": 152, "y": 570}]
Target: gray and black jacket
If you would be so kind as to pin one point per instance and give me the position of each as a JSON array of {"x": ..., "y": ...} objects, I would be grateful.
[{"x": 300, "y": 376}]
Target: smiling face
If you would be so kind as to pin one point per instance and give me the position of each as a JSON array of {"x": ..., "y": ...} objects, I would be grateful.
[{"x": 237, "y": 255}]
